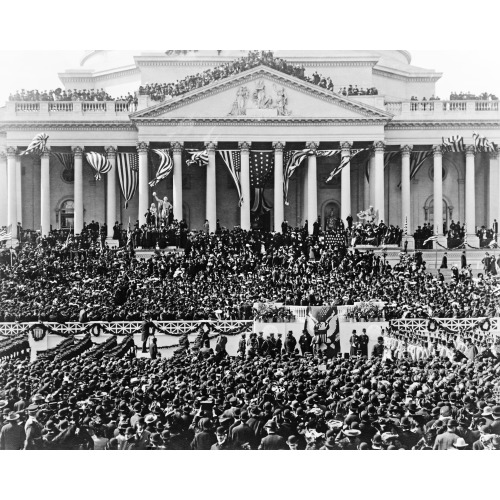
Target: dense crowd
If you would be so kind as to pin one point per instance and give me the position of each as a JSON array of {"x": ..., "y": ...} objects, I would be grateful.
[
  {"x": 61, "y": 95},
  {"x": 220, "y": 276},
  {"x": 285, "y": 401},
  {"x": 468, "y": 96},
  {"x": 161, "y": 91}
]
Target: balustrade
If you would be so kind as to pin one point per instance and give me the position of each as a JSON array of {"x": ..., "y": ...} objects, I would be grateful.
[
  {"x": 27, "y": 107},
  {"x": 94, "y": 106},
  {"x": 61, "y": 106},
  {"x": 121, "y": 106}
]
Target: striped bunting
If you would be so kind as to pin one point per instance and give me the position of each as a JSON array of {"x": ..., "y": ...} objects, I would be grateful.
[
  {"x": 6, "y": 234},
  {"x": 454, "y": 144},
  {"x": 99, "y": 163},
  {"x": 67, "y": 160},
  {"x": 417, "y": 159},
  {"x": 128, "y": 173},
  {"x": 37, "y": 145},
  {"x": 260, "y": 204},
  {"x": 343, "y": 162},
  {"x": 431, "y": 238},
  {"x": 199, "y": 158},
  {"x": 232, "y": 159},
  {"x": 165, "y": 167},
  {"x": 291, "y": 161},
  {"x": 483, "y": 145}
]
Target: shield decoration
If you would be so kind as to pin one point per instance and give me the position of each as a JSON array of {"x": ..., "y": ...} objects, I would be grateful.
[{"x": 38, "y": 333}]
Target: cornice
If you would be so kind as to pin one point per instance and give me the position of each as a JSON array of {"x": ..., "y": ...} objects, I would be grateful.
[
  {"x": 64, "y": 126},
  {"x": 422, "y": 125},
  {"x": 234, "y": 81},
  {"x": 406, "y": 78}
]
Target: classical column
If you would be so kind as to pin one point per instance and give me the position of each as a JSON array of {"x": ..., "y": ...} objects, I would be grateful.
[
  {"x": 345, "y": 183},
  {"x": 371, "y": 172},
  {"x": 78, "y": 185},
  {"x": 405, "y": 187},
  {"x": 142, "y": 151},
  {"x": 111, "y": 194},
  {"x": 177, "y": 180},
  {"x": 12, "y": 191},
  {"x": 3, "y": 189},
  {"x": 211, "y": 195},
  {"x": 45, "y": 192},
  {"x": 245, "y": 184},
  {"x": 378, "y": 170},
  {"x": 470, "y": 195},
  {"x": 494, "y": 191},
  {"x": 438, "y": 190},
  {"x": 279, "y": 209},
  {"x": 19, "y": 188},
  {"x": 312, "y": 186}
]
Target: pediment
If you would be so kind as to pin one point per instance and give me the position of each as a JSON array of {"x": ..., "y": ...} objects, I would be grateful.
[{"x": 260, "y": 94}]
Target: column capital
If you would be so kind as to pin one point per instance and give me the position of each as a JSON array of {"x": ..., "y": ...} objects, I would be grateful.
[
  {"x": 110, "y": 151},
  {"x": 493, "y": 155},
  {"x": 11, "y": 151},
  {"x": 437, "y": 150},
  {"x": 211, "y": 146},
  {"x": 346, "y": 146},
  {"x": 46, "y": 152},
  {"x": 312, "y": 145},
  {"x": 177, "y": 147},
  {"x": 77, "y": 151},
  {"x": 142, "y": 147},
  {"x": 279, "y": 146},
  {"x": 406, "y": 149},
  {"x": 470, "y": 150},
  {"x": 3, "y": 154},
  {"x": 245, "y": 146},
  {"x": 379, "y": 146}
]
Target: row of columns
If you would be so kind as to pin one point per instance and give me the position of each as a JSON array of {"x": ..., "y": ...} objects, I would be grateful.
[{"x": 11, "y": 202}]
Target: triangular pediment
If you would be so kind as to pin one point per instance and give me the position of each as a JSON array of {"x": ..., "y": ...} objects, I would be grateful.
[{"x": 262, "y": 94}]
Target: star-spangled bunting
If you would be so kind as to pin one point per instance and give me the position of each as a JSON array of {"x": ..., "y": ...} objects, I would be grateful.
[
  {"x": 199, "y": 158},
  {"x": 128, "y": 173},
  {"x": 164, "y": 168},
  {"x": 343, "y": 162},
  {"x": 291, "y": 161},
  {"x": 261, "y": 169}
]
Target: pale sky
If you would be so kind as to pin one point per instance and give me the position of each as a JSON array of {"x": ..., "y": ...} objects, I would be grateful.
[{"x": 473, "y": 71}]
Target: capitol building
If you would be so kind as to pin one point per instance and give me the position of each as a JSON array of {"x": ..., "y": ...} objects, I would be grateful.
[{"x": 246, "y": 126}]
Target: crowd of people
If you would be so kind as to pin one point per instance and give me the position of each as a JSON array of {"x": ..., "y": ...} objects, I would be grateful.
[
  {"x": 220, "y": 275},
  {"x": 468, "y": 96},
  {"x": 161, "y": 91},
  {"x": 61, "y": 95},
  {"x": 286, "y": 401}
]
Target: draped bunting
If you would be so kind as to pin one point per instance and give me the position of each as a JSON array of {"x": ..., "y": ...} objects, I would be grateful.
[
  {"x": 454, "y": 144},
  {"x": 127, "y": 165},
  {"x": 232, "y": 159},
  {"x": 164, "y": 168},
  {"x": 292, "y": 160},
  {"x": 67, "y": 160},
  {"x": 199, "y": 158},
  {"x": 37, "y": 145},
  {"x": 483, "y": 145},
  {"x": 99, "y": 163},
  {"x": 343, "y": 162}
]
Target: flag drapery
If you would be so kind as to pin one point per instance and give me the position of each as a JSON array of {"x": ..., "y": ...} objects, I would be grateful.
[
  {"x": 260, "y": 205},
  {"x": 67, "y": 160},
  {"x": 164, "y": 168},
  {"x": 6, "y": 234},
  {"x": 199, "y": 158},
  {"x": 37, "y": 145},
  {"x": 483, "y": 145},
  {"x": 261, "y": 169},
  {"x": 454, "y": 144},
  {"x": 328, "y": 152},
  {"x": 99, "y": 163},
  {"x": 417, "y": 159},
  {"x": 128, "y": 174},
  {"x": 343, "y": 162},
  {"x": 431, "y": 238},
  {"x": 291, "y": 161},
  {"x": 232, "y": 159}
]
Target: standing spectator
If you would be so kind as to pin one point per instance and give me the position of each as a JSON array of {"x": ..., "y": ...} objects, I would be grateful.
[{"x": 12, "y": 435}]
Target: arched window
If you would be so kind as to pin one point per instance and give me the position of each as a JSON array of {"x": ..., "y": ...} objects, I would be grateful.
[{"x": 67, "y": 214}]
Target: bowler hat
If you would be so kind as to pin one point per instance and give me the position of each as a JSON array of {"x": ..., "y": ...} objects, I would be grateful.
[{"x": 271, "y": 425}]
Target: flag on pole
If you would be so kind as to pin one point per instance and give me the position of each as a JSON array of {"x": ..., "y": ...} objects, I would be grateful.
[
  {"x": 232, "y": 159},
  {"x": 465, "y": 234},
  {"x": 67, "y": 160},
  {"x": 99, "y": 163},
  {"x": 166, "y": 166},
  {"x": 37, "y": 145},
  {"x": 199, "y": 158},
  {"x": 343, "y": 162},
  {"x": 454, "y": 144},
  {"x": 128, "y": 173},
  {"x": 405, "y": 227},
  {"x": 291, "y": 161},
  {"x": 6, "y": 234},
  {"x": 431, "y": 238}
]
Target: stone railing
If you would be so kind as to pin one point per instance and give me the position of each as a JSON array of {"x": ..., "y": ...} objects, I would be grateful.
[
  {"x": 65, "y": 107},
  {"x": 454, "y": 325},
  {"x": 449, "y": 109}
]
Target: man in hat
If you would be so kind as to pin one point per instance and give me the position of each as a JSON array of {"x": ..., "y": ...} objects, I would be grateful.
[
  {"x": 354, "y": 342},
  {"x": 495, "y": 424},
  {"x": 148, "y": 328},
  {"x": 290, "y": 343},
  {"x": 378, "y": 348},
  {"x": 222, "y": 440},
  {"x": 363, "y": 343},
  {"x": 273, "y": 441},
  {"x": 447, "y": 439},
  {"x": 242, "y": 346},
  {"x": 33, "y": 430},
  {"x": 12, "y": 435}
]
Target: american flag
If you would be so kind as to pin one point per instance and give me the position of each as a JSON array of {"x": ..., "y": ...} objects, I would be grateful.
[
  {"x": 405, "y": 228},
  {"x": 128, "y": 173},
  {"x": 328, "y": 152},
  {"x": 417, "y": 159},
  {"x": 343, "y": 162},
  {"x": 454, "y": 144},
  {"x": 99, "y": 163},
  {"x": 67, "y": 160},
  {"x": 431, "y": 238},
  {"x": 291, "y": 161},
  {"x": 164, "y": 168},
  {"x": 199, "y": 158},
  {"x": 483, "y": 145},
  {"x": 261, "y": 167},
  {"x": 6, "y": 234},
  {"x": 232, "y": 159},
  {"x": 38, "y": 144}
]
